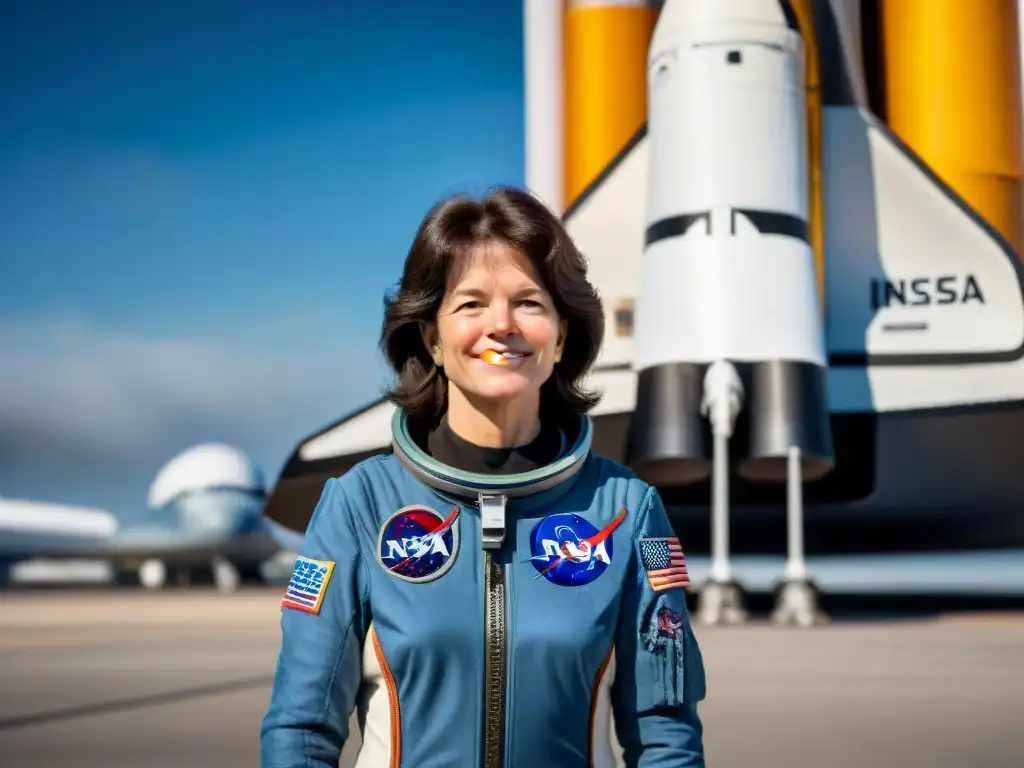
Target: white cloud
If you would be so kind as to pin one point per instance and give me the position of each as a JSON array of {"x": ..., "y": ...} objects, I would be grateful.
[{"x": 78, "y": 399}]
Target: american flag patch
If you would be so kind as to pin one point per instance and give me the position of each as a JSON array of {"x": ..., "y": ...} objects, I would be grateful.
[
  {"x": 664, "y": 562},
  {"x": 307, "y": 585}
]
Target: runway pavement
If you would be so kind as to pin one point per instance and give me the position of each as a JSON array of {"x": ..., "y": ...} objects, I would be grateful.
[{"x": 98, "y": 679}]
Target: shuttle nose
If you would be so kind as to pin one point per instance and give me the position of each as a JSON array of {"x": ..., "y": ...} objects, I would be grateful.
[{"x": 679, "y": 16}]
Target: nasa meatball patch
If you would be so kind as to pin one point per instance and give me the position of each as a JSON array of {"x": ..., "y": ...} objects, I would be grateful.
[
  {"x": 417, "y": 544},
  {"x": 569, "y": 550},
  {"x": 308, "y": 584}
]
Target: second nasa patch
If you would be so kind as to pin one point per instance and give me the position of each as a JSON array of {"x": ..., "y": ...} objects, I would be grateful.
[{"x": 569, "y": 551}]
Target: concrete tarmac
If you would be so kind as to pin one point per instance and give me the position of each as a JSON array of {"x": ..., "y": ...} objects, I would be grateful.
[{"x": 98, "y": 679}]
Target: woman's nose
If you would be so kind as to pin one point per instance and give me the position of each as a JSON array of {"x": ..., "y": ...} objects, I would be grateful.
[{"x": 500, "y": 319}]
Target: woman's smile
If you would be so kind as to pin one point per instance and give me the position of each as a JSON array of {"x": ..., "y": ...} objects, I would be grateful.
[{"x": 508, "y": 358}]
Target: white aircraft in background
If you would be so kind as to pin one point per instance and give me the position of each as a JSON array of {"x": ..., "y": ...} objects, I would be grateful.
[
  {"x": 210, "y": 500},
  {"x": 27, "y": 527}
]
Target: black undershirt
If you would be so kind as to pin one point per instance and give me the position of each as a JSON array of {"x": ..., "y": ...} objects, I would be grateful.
[{"x": 447, "y": 447}]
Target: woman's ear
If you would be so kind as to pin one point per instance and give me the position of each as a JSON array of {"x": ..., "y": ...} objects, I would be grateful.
[
  {"x": 428, "y": 332},
  {"x": 563, "y": 332}
]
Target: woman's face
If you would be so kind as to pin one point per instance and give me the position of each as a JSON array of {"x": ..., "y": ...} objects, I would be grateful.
[{"x": 498, "y": 335}]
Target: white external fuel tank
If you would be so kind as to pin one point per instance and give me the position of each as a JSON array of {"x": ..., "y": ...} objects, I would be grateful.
[{"x": 728, "y": 271}]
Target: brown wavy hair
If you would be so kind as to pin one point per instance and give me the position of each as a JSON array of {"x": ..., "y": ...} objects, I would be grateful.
[{"x": 441, "y": 246}]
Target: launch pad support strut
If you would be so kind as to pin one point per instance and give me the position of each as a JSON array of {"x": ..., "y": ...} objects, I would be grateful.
[
  {"x": 796, "y": 600},
  {"x": 796, "y": 569},
  {"x": 721, "y": 601}
]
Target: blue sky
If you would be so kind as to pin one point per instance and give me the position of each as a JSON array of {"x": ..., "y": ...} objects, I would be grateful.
[{"x": 201, "y": 207}]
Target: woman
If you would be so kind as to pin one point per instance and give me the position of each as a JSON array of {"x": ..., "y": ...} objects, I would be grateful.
[{"x": 484, "y": 594}]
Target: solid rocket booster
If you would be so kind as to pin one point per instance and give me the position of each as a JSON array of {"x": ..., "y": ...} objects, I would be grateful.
[{"x": 728, "y": 271}]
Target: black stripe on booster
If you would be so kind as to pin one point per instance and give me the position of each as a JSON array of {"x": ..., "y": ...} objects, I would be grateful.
[
  {"x": 771, "y": 223},
  {"x": 674, "y": 226},
  {"x": 766, "y": 223}
]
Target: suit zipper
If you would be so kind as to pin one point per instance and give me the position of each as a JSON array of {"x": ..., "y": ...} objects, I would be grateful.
[
  {"x": 492, "y": 516},
  {"x": 494, "y": 664}
]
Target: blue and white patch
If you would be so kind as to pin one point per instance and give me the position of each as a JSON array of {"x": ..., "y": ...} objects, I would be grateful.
[
  {"x": 569, "y": 551},
  {"x": 308, "y": 584}
]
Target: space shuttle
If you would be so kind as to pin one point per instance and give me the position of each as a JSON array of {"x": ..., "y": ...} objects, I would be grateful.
[{"x": 805, "y": 221}]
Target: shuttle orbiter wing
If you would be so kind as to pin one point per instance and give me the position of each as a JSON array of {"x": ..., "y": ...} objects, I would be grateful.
[{"x": 367, "y": 432}]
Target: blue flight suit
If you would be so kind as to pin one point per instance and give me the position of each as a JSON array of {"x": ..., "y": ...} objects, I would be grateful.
[{"x": 496, "y": 605}]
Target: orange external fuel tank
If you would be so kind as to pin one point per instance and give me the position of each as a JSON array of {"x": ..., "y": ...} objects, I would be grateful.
[
  {"x": 953, "y": 94},
  {"x": 605, "y": 55}
]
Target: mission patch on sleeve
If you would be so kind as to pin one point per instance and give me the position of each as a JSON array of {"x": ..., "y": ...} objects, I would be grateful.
[{"x": 308, "y": 584}]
